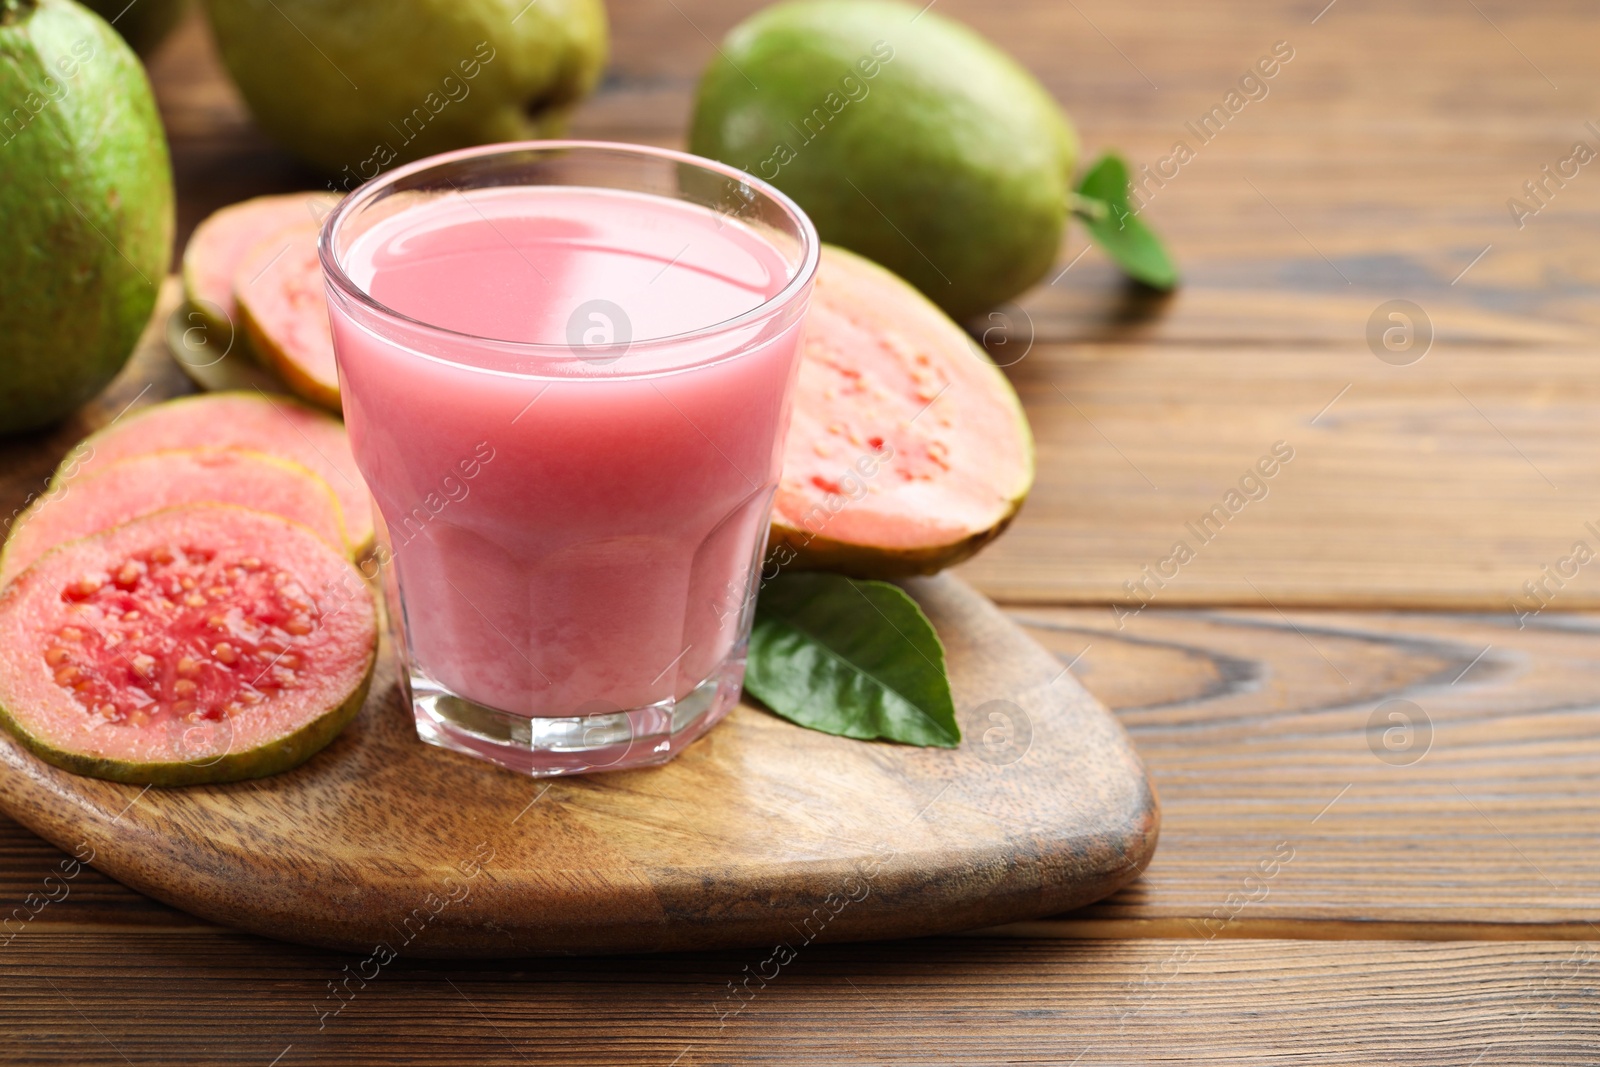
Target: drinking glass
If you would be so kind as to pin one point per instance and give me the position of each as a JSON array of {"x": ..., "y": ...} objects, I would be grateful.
[{"x": 566, "y": 371}]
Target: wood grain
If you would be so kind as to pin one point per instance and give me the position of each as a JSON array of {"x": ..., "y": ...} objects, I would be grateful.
[
  {"x": 1249, "y": 734},
  {"x": 162, "y": 998},
  {"x": 759, "y": 832},
  {"x": 1451, "y": 483},
  {"x": 1448, "y": 483},
  {"x": 1390, "y": 144},
  {"x": 1378, "y": 167},
  {"x": 1259, "y": 730}
]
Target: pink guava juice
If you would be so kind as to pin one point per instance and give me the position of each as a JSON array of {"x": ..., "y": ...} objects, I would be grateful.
[{"x": 573, "y": 436}]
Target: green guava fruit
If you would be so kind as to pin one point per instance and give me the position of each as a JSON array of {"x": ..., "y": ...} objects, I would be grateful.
[
  {"x": 905, "y": 136},
  {"x": 283, "y": 306},
  {"x": 87, "y": 207},
  {"x": 131, "y": 488},
  {"x": 220, "y": 244},
  {"x": 202, "y": 644},
  {"x": 354, "y": 86},
  {"x": 252, "y": 421},
  {"x": 144, "y": 24},
  {"x": 907, "y": 450}
]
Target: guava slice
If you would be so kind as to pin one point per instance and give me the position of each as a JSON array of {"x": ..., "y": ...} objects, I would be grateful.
[
  {"x": 253, "y": 421},
  {"x": 134, "y": 487},
  {"x": 217, "y": 363},
  {"x": 283, "y": 306},
  {"x": 206, "y": 643},
  {"x": 908, "y": 450},
  {"x": 222, "y": 241}
]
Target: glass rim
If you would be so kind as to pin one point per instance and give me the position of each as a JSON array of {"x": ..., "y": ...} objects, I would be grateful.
[{"x": 364, "y": 194}]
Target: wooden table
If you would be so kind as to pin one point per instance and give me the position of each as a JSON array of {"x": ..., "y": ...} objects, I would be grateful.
[{"x": 1432, "y": 893}]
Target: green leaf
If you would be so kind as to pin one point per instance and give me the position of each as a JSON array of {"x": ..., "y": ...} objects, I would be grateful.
[
  {"x": 853, "y": 658},
  {"x": 1101, "y": 201}
]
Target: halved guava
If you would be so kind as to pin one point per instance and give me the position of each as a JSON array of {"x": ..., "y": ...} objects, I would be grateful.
[
  {"x": 206, "y": 643},
  {"x": 908, "y": 449},
  {"x": 283, "y": 306},
  {"x": 133, "y": 487},
  {"x": 256, "y": 422},
  {"x": 222, "y": 241}
]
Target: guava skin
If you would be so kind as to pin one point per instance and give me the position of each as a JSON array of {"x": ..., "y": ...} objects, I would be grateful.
[
  {"x": 868, "y": 320},
  {"x": 951, "y": 165},
  {"x": 355, "y": 86},
  {"x": 810, "y": 552},
  {"x": 281, "y": 755},
  {"x": 145, "y": 24},
  {"x": 88, "y": 207},
  {"x": 289, "y": 728}
]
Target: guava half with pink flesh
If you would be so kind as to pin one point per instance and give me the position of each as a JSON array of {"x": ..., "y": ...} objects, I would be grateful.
[
  {"x": 201, "y": 644},
  {"x": 224, "y": 238},
  {"x": 908, "y": 450},
  {"x": 139, "y": 485},
  {"x": 253, "y": 421},
  {"x": 283, "y": 306}
]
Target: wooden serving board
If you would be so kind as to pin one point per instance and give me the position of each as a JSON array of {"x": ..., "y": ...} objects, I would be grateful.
[{"x": 760, "y": 833}]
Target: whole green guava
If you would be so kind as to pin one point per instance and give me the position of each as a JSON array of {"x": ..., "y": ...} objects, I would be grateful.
[
  {"x": 86, "y": 204},
  {"x": 905, "y": 136},
  {"x": 357, "y": 85}
]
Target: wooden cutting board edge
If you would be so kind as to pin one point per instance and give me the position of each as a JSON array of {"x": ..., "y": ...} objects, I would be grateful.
[
  {"x": 618, "y": 906},
  {"x": 1004, "y": 884}
]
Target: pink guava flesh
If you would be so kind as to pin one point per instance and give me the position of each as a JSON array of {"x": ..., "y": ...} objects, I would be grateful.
[
  {"x": 283, "y": 305},
  {"x": 139, "y": 485},
  {"x": 256, "y": 422},
  {"x": 907, "y": 448},
  {"x": 221, "y": 242},
  {"x": 202, "y": 643}
]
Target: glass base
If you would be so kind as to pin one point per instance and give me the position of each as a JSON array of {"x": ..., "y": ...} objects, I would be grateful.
[{"x": 606, "y": 740}]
